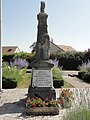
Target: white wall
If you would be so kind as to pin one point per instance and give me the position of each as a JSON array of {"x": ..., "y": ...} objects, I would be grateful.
[{"x": 17, "y": 50}]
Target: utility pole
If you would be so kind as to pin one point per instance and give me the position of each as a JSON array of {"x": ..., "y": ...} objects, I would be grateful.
[{"x": 0, "y": 45}]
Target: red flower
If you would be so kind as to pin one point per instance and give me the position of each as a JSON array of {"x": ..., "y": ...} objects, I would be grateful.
[
  {"x": 60, "y": 102},
  {"x": 33, "y": 99},
  {"x": 51, "y": 102},
  {"x": 33, "y": 105},
  {"x": 39, "y": 98},
  {"x": 39, "y": 103},
  {"x": 36, "y": 98},
  {"x": 47, "y": 99},
  {"x": 27, "y": 100}
]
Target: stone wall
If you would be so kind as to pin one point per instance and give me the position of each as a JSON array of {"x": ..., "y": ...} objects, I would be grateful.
[{"x": 81, "y": 97}]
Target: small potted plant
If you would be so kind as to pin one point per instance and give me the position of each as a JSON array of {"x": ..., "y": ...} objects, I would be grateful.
[{"x": 65, "y": 97}]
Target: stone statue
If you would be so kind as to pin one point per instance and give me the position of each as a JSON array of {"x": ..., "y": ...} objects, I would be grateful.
[
  {"x": 42, "y": 7},
  {"x": 43, "y": 41},
  {"x": 44, "y": 48}
]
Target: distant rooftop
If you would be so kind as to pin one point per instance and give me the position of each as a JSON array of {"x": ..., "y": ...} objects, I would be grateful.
[
  {"x": 10, "y": 49},
  {"x": 66, "y": 48}
]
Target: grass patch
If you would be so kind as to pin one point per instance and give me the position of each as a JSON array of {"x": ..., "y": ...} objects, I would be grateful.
[
  {"x": 67, "y": 85},
  {"x": 25, "y": 82}
]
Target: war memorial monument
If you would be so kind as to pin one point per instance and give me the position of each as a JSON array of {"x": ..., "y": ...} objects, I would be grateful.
[{"x": 41, "y": 79}]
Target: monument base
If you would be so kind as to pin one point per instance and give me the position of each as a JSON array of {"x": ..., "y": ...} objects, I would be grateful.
[
  {"x": 42, "y": 81},
  {"x": 42, "y": 111},
  {"x": 42, "y": 92}
]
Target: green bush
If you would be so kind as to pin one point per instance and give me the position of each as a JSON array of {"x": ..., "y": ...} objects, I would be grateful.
[
  {"x": 79, "y": 113},
  {"x": 70, "y": 60},
  {"x": 22, "y": 71},
  {"x": 84, "y": 73},
  {"x": 87, "y": 56},
  {"x": 8, "y": 57},
  {"x": 9, "y": 83},
  {"x": 57, "y": 78},
  {"x": 84, "y": 76},
  {"x": 10, "y": 77},
  {"x": 58, "y": 83}
]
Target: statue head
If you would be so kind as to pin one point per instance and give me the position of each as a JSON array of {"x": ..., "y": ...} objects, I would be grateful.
[{"x": 42, "y": 7}]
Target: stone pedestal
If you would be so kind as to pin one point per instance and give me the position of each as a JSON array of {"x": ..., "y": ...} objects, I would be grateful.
[
  {"x": 42, "y": 93},
  {"x": 42, "y": 81}
]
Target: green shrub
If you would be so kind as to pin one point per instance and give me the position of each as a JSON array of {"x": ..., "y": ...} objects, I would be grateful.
[
  {"x": 57, "y": 78},
  {"x": 10, "y": 77},
  {"x": 21, "y": 75},
  {"x": 84, "y": 73},
  {"x": 87, "y": 56},
  {"x": 8, "y": 57},
  {"x": 58, "y": 83},
  {"x": 9, "y": 83},
  {"x": 79, "y": 113},
  {"x": 84, "y": 76},
  {"x": 22, "y": 71},
  {"x": 70, "y": 60}
]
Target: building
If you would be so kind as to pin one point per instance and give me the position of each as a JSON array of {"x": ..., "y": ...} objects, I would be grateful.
[
  {"x": 54, "y": 49},
  {"x": 10, "y": 49}
]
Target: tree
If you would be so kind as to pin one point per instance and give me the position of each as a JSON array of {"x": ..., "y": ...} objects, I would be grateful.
[{"x": 33, "y": 47}]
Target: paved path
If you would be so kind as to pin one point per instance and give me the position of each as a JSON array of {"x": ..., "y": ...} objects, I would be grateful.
[
  {"x": 74, "y": 81},
  {"x": 12, "y": 106},
  {"x": 66, "y": 72},
  {"x": 12, "y": 101}
]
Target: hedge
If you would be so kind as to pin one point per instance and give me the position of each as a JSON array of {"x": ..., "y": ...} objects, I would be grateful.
[
  {"x": 84, "y": 76},
  {"x": 10, "y": 76},
  {"x": 70, "y": 60},
  {"x": 10, "y": 57},
  {"x": 57, "y": 78},
  {"x": 8, "y": 83}
]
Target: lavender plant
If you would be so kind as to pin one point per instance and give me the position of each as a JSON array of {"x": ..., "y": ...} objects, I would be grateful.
[
  {"x": 84, "y": 73},
  {"x": 85, "y": 67},
  {"x": 55, "y": 62},
  {"x": 79, "y": 113},
  {"x": 19, "y": 63}
]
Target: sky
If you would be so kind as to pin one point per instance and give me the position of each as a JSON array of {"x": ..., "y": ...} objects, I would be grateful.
[{"x": 68, "y": 22}]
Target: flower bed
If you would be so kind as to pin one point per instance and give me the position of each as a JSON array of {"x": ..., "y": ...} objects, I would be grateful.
[
  {"x": 38, "y": 102},
  {"x": 37, "y": 106}
]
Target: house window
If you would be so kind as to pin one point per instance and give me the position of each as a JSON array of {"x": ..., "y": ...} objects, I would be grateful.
[{"x": 9, "y": 50}]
